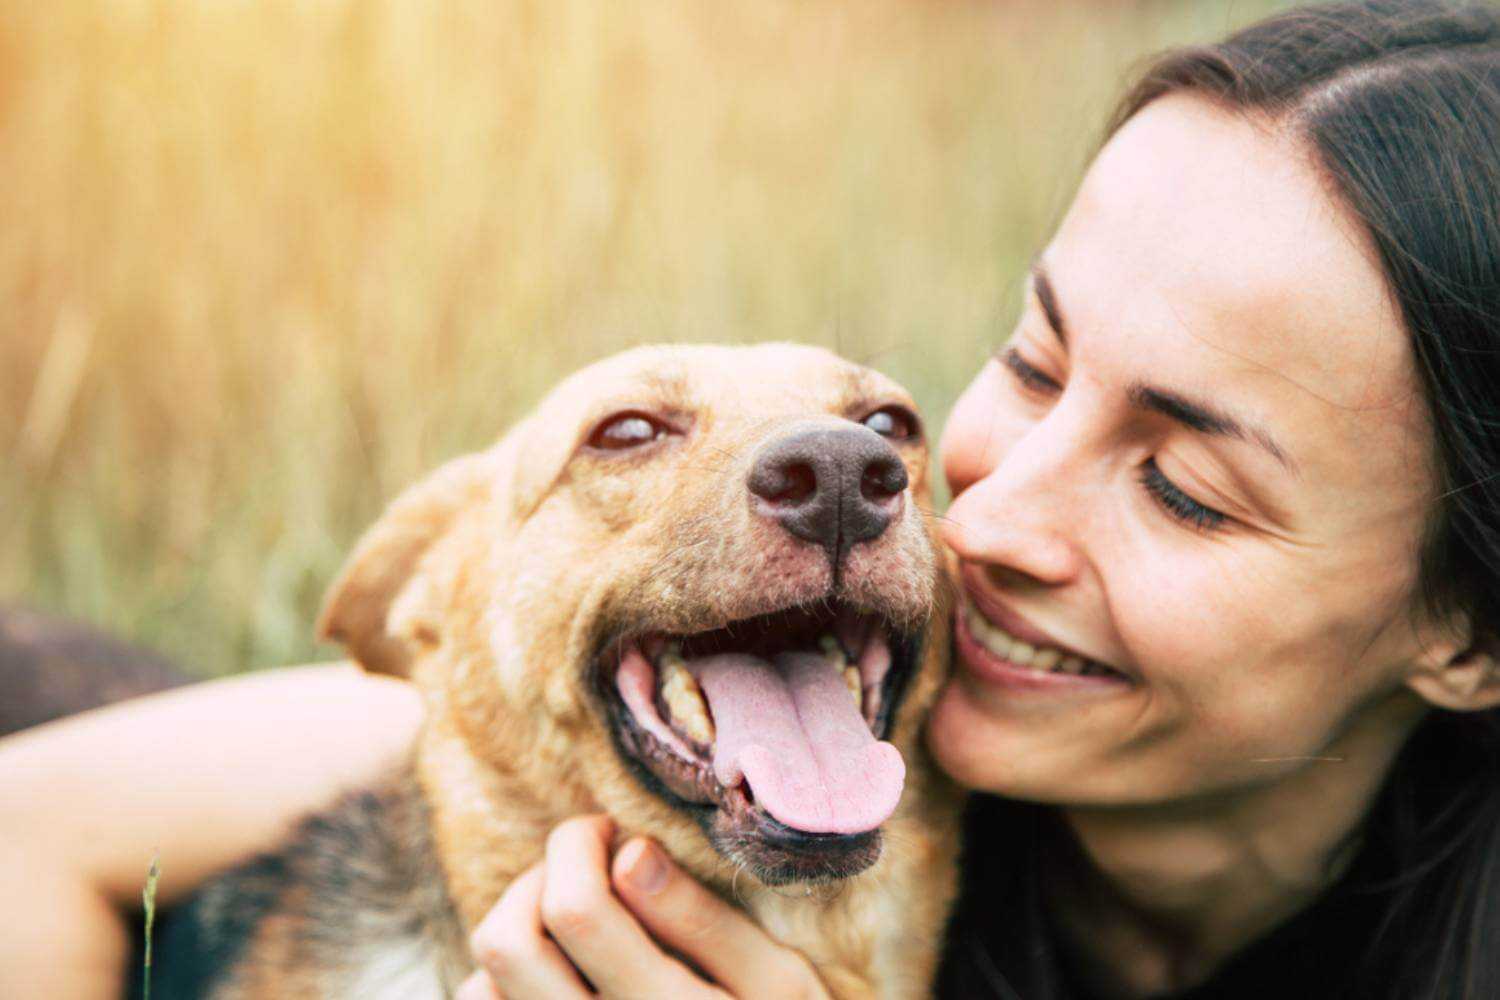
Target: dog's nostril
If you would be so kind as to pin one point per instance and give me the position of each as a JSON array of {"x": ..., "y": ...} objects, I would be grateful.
[
  {"x": 884, "y": 478},
  {"x": 784, "y": 479},
  {"x": 798, "y": 482}
]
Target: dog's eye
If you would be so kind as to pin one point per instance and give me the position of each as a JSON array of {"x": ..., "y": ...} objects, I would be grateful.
[
  {"x": 894, "y": 422},
  {"x": 625, "y": 430}
]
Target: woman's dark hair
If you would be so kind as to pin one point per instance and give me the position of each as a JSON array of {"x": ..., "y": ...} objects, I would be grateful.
[{"x": 1400, "y": 104}]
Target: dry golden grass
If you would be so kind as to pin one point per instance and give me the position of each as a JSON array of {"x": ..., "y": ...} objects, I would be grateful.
[{"x": 263, "y": 263}]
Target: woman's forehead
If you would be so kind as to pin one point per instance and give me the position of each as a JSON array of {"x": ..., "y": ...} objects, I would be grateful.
[
  {"x": 1206, "y": 249},
  {"x": 1206, "y": 255}
]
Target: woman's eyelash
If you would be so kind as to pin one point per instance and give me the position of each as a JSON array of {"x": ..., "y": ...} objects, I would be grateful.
[
  {"x": 1028, "y": 375},
  {"x": 1176, "y": 502}
]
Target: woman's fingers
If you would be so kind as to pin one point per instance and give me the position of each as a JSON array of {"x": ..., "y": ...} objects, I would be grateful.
[
  {"x": 720, "y": 939},
  {"x": 560, "y": 929},
  {"x": 511, "y": 945},
  {"x": 595, "y": 929}
]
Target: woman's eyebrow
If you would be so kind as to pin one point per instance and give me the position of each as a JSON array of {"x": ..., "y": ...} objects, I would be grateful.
[
  {"x": 1194, "y": 415},
  {"x": 1205, "y": 419},
  {"x": 1048, "y": 298}
]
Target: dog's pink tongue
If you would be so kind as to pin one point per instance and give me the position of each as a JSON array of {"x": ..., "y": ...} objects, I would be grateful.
[{"x": 793, "y": 731}]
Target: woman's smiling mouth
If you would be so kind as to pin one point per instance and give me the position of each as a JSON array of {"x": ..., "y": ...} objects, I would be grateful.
[{"x": 1002, "y": 648}]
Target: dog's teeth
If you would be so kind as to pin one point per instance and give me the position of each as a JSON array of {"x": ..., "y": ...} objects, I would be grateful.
[
  {"x": 851, "y": 681},
  {"x": 832, "y": 650},
  {"x": 685, "y": 699}
]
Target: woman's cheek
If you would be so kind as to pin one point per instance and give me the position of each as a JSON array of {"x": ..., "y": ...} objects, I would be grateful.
[
  {"x": 1229, "y": 681},
  {"x": 1185, "y": 615}
]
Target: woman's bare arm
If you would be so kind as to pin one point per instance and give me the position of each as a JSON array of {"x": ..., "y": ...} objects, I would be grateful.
[{"x": 204, "y": 776}]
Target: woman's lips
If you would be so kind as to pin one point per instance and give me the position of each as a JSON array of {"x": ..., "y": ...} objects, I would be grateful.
[{"x": 999, "y": 646}]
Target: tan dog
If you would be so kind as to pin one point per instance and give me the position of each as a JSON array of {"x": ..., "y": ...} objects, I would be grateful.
[{"x": 691, "y": 590}]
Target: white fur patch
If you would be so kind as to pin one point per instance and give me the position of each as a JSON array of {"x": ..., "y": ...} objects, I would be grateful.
[{"x": 406, "y": 970}]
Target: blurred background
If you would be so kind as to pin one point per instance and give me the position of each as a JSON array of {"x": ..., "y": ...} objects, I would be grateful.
[{"x": 264, "y": 263}]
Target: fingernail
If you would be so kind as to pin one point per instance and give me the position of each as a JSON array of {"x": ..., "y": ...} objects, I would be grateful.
[{"x": 648, "y": 873}]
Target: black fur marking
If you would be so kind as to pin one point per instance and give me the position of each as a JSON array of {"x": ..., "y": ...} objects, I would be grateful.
[{"x": 365, "y": 879}]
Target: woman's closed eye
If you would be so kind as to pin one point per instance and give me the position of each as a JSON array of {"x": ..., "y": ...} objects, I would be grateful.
[
  {"x": 1177, "y": 503},
  {"x": 1030, "y": 376},
  {"x": 1166, "y": 493}
]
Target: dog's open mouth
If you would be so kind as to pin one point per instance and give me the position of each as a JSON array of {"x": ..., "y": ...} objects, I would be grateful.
[{"x": 770, "y": 728}]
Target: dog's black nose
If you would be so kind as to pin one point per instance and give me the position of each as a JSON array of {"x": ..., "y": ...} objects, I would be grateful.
[{"x": 833, "y": 486}]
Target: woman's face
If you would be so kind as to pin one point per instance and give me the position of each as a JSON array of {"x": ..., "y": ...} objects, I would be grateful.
[{"x": 1202, "y": 464}]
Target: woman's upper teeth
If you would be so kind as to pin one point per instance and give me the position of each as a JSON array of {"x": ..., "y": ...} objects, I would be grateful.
[{"x": 1023, "y": 654}]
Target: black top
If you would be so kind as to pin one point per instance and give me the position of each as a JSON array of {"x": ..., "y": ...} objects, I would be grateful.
[{"x": 1001, "y": 945}]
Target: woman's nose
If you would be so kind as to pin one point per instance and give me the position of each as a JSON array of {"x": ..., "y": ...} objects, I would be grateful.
[{"x": 1023, "y": 515}]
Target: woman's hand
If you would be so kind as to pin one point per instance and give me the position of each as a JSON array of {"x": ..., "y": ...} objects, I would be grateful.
[{"x": 576, "y": 921}]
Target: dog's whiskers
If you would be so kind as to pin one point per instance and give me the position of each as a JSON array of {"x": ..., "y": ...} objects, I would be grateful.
[
  {"x": 934, "y": 515},
  {"x": 665, "y": 562},
  {"x": 734, "y": 880},
  {"x": 731, "y": 455}
]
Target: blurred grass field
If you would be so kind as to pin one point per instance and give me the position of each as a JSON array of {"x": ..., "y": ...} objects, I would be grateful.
[{"x": 264, "y": 263}]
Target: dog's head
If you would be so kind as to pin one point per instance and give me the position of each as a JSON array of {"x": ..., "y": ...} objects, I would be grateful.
[{"x": 693, "y": 589}]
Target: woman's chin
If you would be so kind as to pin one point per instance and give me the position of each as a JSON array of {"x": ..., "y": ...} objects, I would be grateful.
[
  {"x": 1022, "y": 757},
  {"x": 979, "y": 750}
]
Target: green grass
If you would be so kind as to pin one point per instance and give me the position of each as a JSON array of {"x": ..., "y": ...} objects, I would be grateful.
[
  {"x": 265, "y": 263},
  {"x": 148, "y": 904}
]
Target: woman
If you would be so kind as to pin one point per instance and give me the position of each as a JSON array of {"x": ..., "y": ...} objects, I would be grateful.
[{"x": 1241, "y": 456}]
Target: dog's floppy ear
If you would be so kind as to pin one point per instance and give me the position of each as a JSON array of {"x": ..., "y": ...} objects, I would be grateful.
[{"x": 377, "y": 606}]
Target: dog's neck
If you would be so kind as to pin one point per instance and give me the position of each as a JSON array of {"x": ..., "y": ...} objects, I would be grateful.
[{"x": 489, "y": 821}]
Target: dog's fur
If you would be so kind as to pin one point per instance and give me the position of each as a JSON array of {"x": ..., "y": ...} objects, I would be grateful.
[{"x": 494, "y": 584}]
